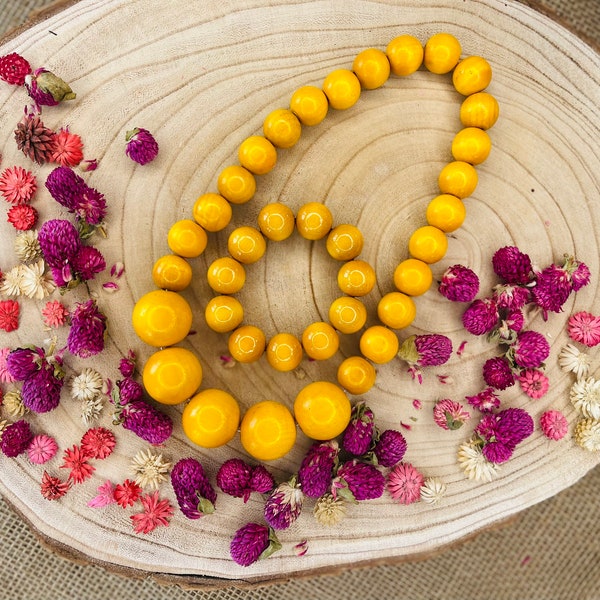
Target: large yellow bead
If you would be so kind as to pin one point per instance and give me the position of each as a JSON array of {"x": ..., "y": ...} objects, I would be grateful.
[
  {"x": 282, "y": 128},
  {"x": 226, "y": 275},
  {"x": 309, "y": 104},
  {"x": 347, "y": 314},
  {"x": 356, "y": 278},
  {"x": 284, "y": 352},
  {"x": 223, "y": 313},
  {"x": 246, "y": 244},
  {"x": 428, "y": 244},
  {"x": 442, "y": 53},
  {"x": 472, "y": 75},
  {"x": 236, "y": 184},
  {"x": 345, "y": 242},
  {"x": 314, "y": 221},
  {"x": 342, "y": 89},
  {"x": 446, "y": 212},
  {"x": 171, "y": 272},
  {"x": 247, "y": 344},
  {"x": 356, "y": 375},
  {"x": 379, "y": 344},
  {"x": 405, "y": 54},
  {"x": 276, "y": 221},
  {"x": 479, "y": 110},
  {"x": 320, "y": 340},
  {"x": 413, "y": 277},
  {"x": 472, "y": 145},
  {"x": 372, "y": 68},
  {"x": 257, "y": 154},
  {"x": 396, "y": 310},
  {"x": 212, "y": 212},
  {"x": 187, "y": 238},
  {"x": 458, "y": 178}
]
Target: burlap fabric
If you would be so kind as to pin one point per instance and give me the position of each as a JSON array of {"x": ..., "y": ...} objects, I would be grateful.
[{"x": 550, "y": 551}]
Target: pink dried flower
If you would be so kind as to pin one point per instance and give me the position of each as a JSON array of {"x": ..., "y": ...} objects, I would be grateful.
[
  {"x": 533, "y": 382},
  {"x": 530, "y": 350},
  {"x": 485, "y": 401},
  {"x": 98, "y": 442},
  {"x": 512, "y": 297},
  {"x": 17, "y": 185},
  {"x": 77, "y": 461},
  {"x": 22, "y": 217},
  {"x": 554, "y": 424},
  {"x": 16, "y": 438},
  {"x": 459, "y": 284},
  {"x": 195, "y": 496},
  {"x": 5, "y": 375},
  {"x": 127, "y": 493},
  {"x": 54, "y": 488},
  {"x": 104, "y": 497},
  {"x": 358, "y": 435},
  {"x": 14, "y": 68},
  {"x": 357, "y": 481},
  {"x": 86, "y": 335},
  {"x": 481, "y": 316},
  {"x": 552, "y": 288},
  {"x": 316, "y": 470},
  {"x": 390, "y": 448},
  {"x": 261, "y": 480},
  {"x": 450, "y": 415},
  {"x": 41, "y": 390},
  {"x": 156, "y": 512},
  {"x": 46, "y": 89},
  {"x": 284, "y": 505},
  {"x": 584, "y": 327},
  {"x": 141, "y": 146},
  {"x": 497, "y": 373},
  {"x": 68, "y": 148},
  {"x": 147, "y": 422},
  {"x": 233, "y": 477},
  {"x": 54, "y": 314},
  {"x": 404, "y": 483},
  {"x": 253, "y": 542},
  {"x": 9, "y": 315},
  {"x": 41, "y": 449},
  {"x": 512, "y": 265}
]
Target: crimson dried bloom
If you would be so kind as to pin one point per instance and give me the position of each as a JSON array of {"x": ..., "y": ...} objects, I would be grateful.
[
  {"x": 195, "y": 495},
  {"x": 68, "y": 148},
  {"x": 141, "y": 145},
  {"x": 530, "y": 350},
  {"x": 404, "y": 483},
  {"x": 9, "y": 315},
  {"x": 54, "y": 488},
  {"x": 449, "y": 414},
  {"x": 233, "y": 477},
  {"x": 358, "y": 434},
  {"x": 77, "y": 461},
  {"x": 86, "y": 334},
  {"x": 584, "y": 327},
  {"x": 533, "y": 382},
  {"x": 554, "y": 424},
  {"x": 54, "y": 313},
  {"x": 41, "y": 390},
  {"x": 552, "y": 288},
  {"x": 34, "y": 139},
  {"x": 22, "y": 217},
  {"x": 498, "y": 373},
  {"x": 252, "y": 542},
  {"x": 147, "y": 422},
  {"x": 390, "y": 448},
  {"x": 497, "y": 452},
  {"x": 284, "y": 505},
  {"x": 358, "y": 481},
  {"x": 88, "y": 262},
  {"x": 14, "y": 68},
  {"x": 17, "y": 185},
  {"x": 486, "y": 400},
  {"x": 481, "y": 316},
  {"x": 459, "y": 284},
  {"x": 98, "y": 442},
  {"x": 156, "y": 512},
  {"x": 16, "y": 438},
  {"x": 316, "y": 470},
  {"x": 512, "y": 265},
  {"x": 41, "y": 449},
  {"x": 127, "y": 493}
]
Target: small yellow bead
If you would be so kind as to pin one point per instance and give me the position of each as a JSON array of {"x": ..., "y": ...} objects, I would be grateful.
[
  {"x": 356, "y": 375},
  {"x": 347, "y": 314},
  {"x": 356, "y": 278},
  {"x": 320, "y": 341},
  {"x": 428, "y": 244},
  {"x": 472, "y": 145},
  {"x": 458, "y": 178},
  {"x": 223, "y": 313},
  {"x": 405, "y": 54},
  {"x": 379, "y": 344},
  {"x": 284, "y": 352},
  {"x": 345, "y": 242},
  {"x": 187, "y": 238},
  {"x": 246, "y": 244},
  {"x": 276, "y": 221},
  {"x": 236, "y": 184},
  {"x": 442, "y": 53},
  {"x": 396, "y": 310},
  {"x": 342, "y": 89},
  {"x": 257, "y": 154},
  {"x": 446, "y": 212},
  {"x": 212, "y": 212},
  {"x": 413, "y": 277},
  {"x": 226, "y": 275},
  {"x": 171, "y": 272},
  {"x": 479, "y": 110},
  {"x": 472, "y": 75},
  {"x": 372, "y": 68},
  {"x": 247, "y": 344},
  {"x": 309, "y": 104},
  {"x": 282, "y": 128},
  {"x": 314, "y": 221}
]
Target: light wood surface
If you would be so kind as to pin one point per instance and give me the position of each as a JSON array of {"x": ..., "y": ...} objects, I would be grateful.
[{"x": 202, "y": 77}]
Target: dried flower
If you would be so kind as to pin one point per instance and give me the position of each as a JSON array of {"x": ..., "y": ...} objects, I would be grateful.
[
  {"x": 571, "y": 359},
  {"x": 34, "y": 139},
  {"x": 329, "y": 511},
  {"x": 284, "y": 505},
  {"x": 156, "y": 512},
  {"x": 127, "y": 493},
  {"x": 129, "y": 390},
  {"x": 316, "y": 470},
  {"x": 533, "y": 382},
  {"x": 580, "y": 273},
  {"x": 233, "y": 477},
  {"x": 98, "y": 442},
  {"x": 433, "y": 490},
  {"x": 474, "y": 463},
  {"x": 585, "y": 397},
  {"x": 587, "y": 434},
  {"x": 54, "y": 488},
  {"x": 425, "y": 350},
  {"x": 450, "y": 415},
  {"x": 195, "y": 496},
  {"x": 404, "y": 483},
  {"x": 13, "y": 404},
  {"x": 552, "y": 288},
  {"x": 584, "y": 327},
  {"x": 16, "y": 438},
  {"x": 261, "y": 481},
  {"x": 358, "y": 435},
  {"x": 150, "y": 469},
  {"x": 24, "y": 362},
  {"x": 127, "y": 365},
  {"x": 357, "y": 481},
  {"x": 68, "y": 148},
  {"x": 91, "y": 207},
  {"x": 17, "y": 185},
  {"x": 497, "y": 373},
  {"x": 91, "y": 409},
  {"x": 481, "y": 316},
  {"x": 54, "y": 314},
  {"x": 11, "y": 283},
  {"x": 147, "y": 422},
  {"x": 511, "y": 297},
  {"x": 35, "y": 282},
  {"x": 459, "y": 284},
  {"x": 60, "y": 242},
  {"x": 513, "y": 426},
  {"x": 88, "y": 262},
  {"x": 530, "y": 350},
  {"x": 87, "y": 385},
  {"x": 88, "y": 325},
  {"x": 22, "y": 217},
  {"x": 14, "y": 68},
  {"x": 141, "y": 146},
  {"x": 253, "y": 542},
  {"x": 5, "y": 376},
  {"x": 104, "y": 497},
  {"x": 512, "y": 265},
  {"x": 497, "y": 452},
  {"x": 27, "y": 247},
  {"x": 486, "y": 400},
  {"x": 390, "y": 448},
  {"x": 41, "y": 390},
  {"x": 554, "y": 424},
  {"x": 46, "y": 89},
  {"x": 77, "y": 461},
  {"x": 41, "y": 449},
  {"x": 66, "y": 187}
]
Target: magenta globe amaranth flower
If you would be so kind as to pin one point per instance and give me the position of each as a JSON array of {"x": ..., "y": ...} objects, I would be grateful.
[
  {"x": 358, "y": 434},
  {"x": 498, "y": 373},
  {"x": 252, "y": 542},
  {"x": 358, "y": 481},
  {"x": 66, "y": 187},
  {"x": 481, "y": 316},
  {"x": 459, "y": 284},
  {"x": 147, "y": 422},
  {"x": 22, "y": 363},
  {"x": 284, "y": 505},
  {"x": 88, "y": 326},
  {"x": 59, "y": 241},
  {"x": 141, "y": 146},
  {"x": 552, "y": 288},
  {"x": 16, "y": 438},
  {"x": 233, "y": 477},
  {"x": 485, "y": 401},
  {"x": 512, "y": 265},
  {"x": 316, "y": 470},
  {"x": 390, "y": 448},
  {"x": 530, "y": 350},
  {"x": 41, "y": 390},
  {"x": 195, "y": 495},
  {"x": 449, "y": 414}
]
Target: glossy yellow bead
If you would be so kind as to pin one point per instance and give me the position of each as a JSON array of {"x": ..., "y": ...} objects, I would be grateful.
[
  {"x": 268, "y": 430},
  {"x": 171, "y": 272},
  {"x": 372, "y": 68},
  {"x": 314, "y": 221},
  {"x": 471, "y": 75},
  {"x": 322, "y": 410},
  {"x": 226, "y": 275},
  {"x": 379, "y": 344},
  {"x": 247, "y": 344},
  {"x": 223, "y": 313},
  {"x": 396, "y": 310},
  {"x": 479, "y": 110},
  {"x": 161, "y": 318},
  {"x": 442, "y": 53},
  {"x": 356, "y": 278},
  {"x": 212, "y": 212},
  {"x": 472, "y": 145},
  {"x": 405, "y": 54},
  {"x": 284, "y": 352},
  {"x": 282, "y": 128},
  {"x": 246, "y": 244},
  {"x": 320, "y": 340},
  {"x": 187, "y": 238},
  {"x": 342, "y": 89},
  {"x": 428, "y": 244},
  {"x": 172, "y": 375},
  {"x": 458, "y": 178},
  {"x": 236, "y": 184},
  {"x": 309, "y": 104},
  {"x": 356, "y": 375},
  {"x": 347, "y": 314},
  {"x": 257, "y": 154},
  {"x": 345, "y": 242},
  {"x": 211, "y": 418},
  {"x": 446, "y": 212},
  {"x": 413, "y": 277},
  {"x": 276, "y": 221}
]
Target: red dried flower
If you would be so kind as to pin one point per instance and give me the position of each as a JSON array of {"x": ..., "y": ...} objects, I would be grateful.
[
  {"x": 448, "y": 414},
  {"x": 22, "y": 217},
  {"x": 497, "y": 373},
  {"x": 54, "y": 488},
  {"x": 404, "y": 483},
  {"x": 9, "y": 315},
  {"x": 68, "y": 148},
  {"x": 17, "y": 185},
  {"x": 127, "y": 493},
  {"x": 584, "y": 327},
  {"x": 98, "y": 442},
  {"x": 156, "y": 512},
  {"x": 54, "y": 313},
  {"x": 141, "y": 145},
  {"x": 76, "y": 460},
  {"x": 14, "y": 68}
]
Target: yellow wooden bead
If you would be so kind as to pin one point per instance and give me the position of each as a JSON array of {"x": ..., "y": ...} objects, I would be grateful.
[
  {"x": 342, "y": 89},
  {"x": 479, "y": 110},
  {"x": 187, "y": 238},
  {"x": 171, "y": 272},
  {"x": 314, "y": 221},
  {"x": 309, "y": 104},
  {"x": 247, "y": 344},
  {"x": 428, "y": 244},
  {"x": 413, "y": 277},
  {"x": 356, "y": 375},
  {"x": 446, "y": 212},
  {"x": 472, "y": 145},
  {"x": 276, "y": 221},
  {"x": 236, "y": 184},
  {"x": 172, "y": 375},
  {"x": 442, "y": 53},
  {"x": 372, "y": 68},
  {"x": 226, "y": 275},
  {"x": 161, "y": 318},
  {"x": 282, "y": 128},
  {"x": 347, "y": 314},
  {"x": 246, "y": 244},
  {"x": 471, "y": 75},
  {"x": 345, "y": 242},
  {"x": 212, "y": 212},
  {"x": 284, "y": 352},
  {"x": 405, "y": 54},
  {"x": 257, "y": 154},
  {"x": 320, "y": 340},
  {"x": 356, "y": 278},
  {"x": 396, "y": 310},
  {"x": 379, "y": 344},
  {"x": 458, "y": 178},
  {"x": 223, "y": 313}
]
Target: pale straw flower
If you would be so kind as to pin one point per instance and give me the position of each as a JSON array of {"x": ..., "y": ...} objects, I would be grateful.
[
  {"x": 36, "y": 282},
  {"x": 474, "y": 463},
  {"x": 587, "y": 434},
  {"x": 585, "y": 397},
  {"x": 571, "y": 359},
  {"x": 433, "y": 490},
  {"x": 150, "y": 469},
  {"x": 87, "y": 385},
  {"x": 11, "y": 283},
  {"x": 91, "y": 410}
]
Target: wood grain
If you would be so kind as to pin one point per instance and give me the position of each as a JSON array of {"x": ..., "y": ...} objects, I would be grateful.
[{"x": 202, "y": 77}]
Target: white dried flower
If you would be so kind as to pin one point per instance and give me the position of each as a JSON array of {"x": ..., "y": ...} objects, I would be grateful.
[
  {"x": 87, "y": 385},
  {"x": 150, "y": 469},
  {"x": 35, "y": 282},
  {"x": 329, "y": 510},
  {"x": 474, "y": 463},
  {"x": 91, "y": 410},
  {"x": 11, "y": 283},
  {"x": 433, "y": 490},
  {"x": 585, "y": 397},
  {"x": 587, "y": 434},
  {"x": 13, "y": 404},
  {"x": 27, "y": 246},
  {"x": 573, "y": 359}
]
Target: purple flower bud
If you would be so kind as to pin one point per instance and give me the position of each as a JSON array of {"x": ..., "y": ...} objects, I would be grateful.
[
  {"x": 261, "y": 480},
  {"x": 141, "y": 145},
  {"x": 88, "y": 262},
  {"x": 65, "y": 186},
  {"x": 129, "y": 391},
  {"x": 284, "y": 505},
  {"x": 358, "y": 435},
  {"x": 316, "y": 470},
  {"x": 59, "y": 241},
  {"x": 16, "y": 438},
  {"x": 497, "y": 373},
  {"x": 481, "y": 316},
  {"x": 530, "y": 350},
  {"x": 195, "y": 496},
  {"x": 358, "y": 481},
  {"x": 41, "y": 390},
  {"x": 511, "y": 297},
  {"x": 514, "y": 425},
  {"x": 24, "y": 362},
  {"x": 252, "y": 542},
  {"x": 497, "y": 452},
  {"x": 512, "y": 265},
  {"x": 459, "y": 284},
  {"x": 233, "y": 477},
  {"x": 147, "y": 422},
  {"x": 46, "y": 89},
  {"x": 86, "y": 335},
  {"x": 390, "y": 448},
  {"x": 552, "y": 288},
  {"x": 433, "y": 349}
]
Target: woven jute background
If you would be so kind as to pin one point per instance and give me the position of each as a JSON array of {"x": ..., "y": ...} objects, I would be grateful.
[{"x": 550, "y": 551}]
